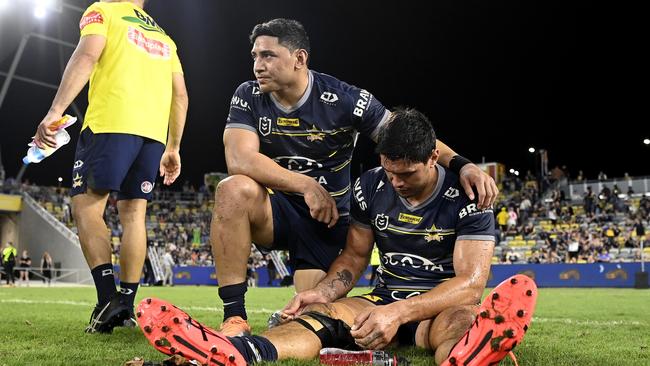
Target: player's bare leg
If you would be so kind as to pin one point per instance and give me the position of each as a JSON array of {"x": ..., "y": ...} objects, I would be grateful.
[
  {"x": 293, "y": 340},
  {"x": 307, "y": 279},
  {"x": 242, "y": 214},
  {"x": 441, "y": 333}
]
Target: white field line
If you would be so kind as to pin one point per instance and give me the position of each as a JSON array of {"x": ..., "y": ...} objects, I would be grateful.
[{"x": 568, "y": 321}]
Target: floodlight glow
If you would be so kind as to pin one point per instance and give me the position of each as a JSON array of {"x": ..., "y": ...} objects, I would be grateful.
[
  {"x": 517, "y": 172},
  {"x": 47, "y": 4},
  {"x": 3, "y": 4},
  {"x": 512, "y": 171},
  {"x": 531, "y": 150},
  {"x": 60, "y": 179},
  {"x": 40, "y": 12},
  {"x": 646, "y": 141}
]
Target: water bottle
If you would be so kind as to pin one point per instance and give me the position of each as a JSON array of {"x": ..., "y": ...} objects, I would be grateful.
[
  {"x": 36, "y": 154},
  {"x": 341, "y": 357}
]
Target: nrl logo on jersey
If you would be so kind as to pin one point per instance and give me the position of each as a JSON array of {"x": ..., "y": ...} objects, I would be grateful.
[
  {"x": 381, "y": 222},
  {"x": 452, "y": 193},
  {"x": 329, "y": 97},
  {"x": 265, "y": 126}
]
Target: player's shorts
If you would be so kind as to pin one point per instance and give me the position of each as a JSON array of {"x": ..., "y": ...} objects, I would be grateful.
[
  {"x": 124, "y": 163},
  {"x": 382, "y": 296},
  {"x": 310, "y": 243}
]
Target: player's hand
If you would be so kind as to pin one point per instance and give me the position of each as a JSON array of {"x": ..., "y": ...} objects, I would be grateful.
[
  {"x": 322, "y": 206},
  {"x": 170, "y": 166},
  {"x": 296, "y": 305},
  {"x": 472, "y": 176},
  {"x": 375, "y": 327},
  {"x": 44, "y": 135}
]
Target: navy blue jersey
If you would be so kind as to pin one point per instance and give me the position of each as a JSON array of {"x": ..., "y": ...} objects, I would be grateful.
[
  {"x": 317, "y": 136},
  {"x": 416, "y": 243}
]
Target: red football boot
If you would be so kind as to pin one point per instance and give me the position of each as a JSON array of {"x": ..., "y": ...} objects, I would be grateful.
[
  {"x": 502, "y": 320},
  {"x": 172, "y": 331}
]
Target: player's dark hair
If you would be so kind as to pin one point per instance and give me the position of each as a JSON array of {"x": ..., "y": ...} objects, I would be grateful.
[
  {"x": 290, "y": 33},
  {"x": 407, "y": 135}
]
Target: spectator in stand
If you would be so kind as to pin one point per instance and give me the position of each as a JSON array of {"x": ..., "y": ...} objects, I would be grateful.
[
  {"x": 271, "y": 270},
  {"x": 552, "y": 215},
  {"x": 603, "y": 257},
  {"x": 168, "y": 267},
  {"x": 512, "y": 218},
  {"x": 9, "y": 254},
  {"x": 602, "y": 176},
  {"x": 250, "y": 273},
  {"x": 512, "y": 257},
  {"x": 534, "y": 258},
  {"x": 23, "y": 266},
  {"x": 589, "y": 202},
  {"x": 502, "y": 219},
  {"x": 524, "y": 208},
  {"x": 573, "y": 248},
  {"x": 640, "y": 230},
  {"x": 46, "y": 268}
]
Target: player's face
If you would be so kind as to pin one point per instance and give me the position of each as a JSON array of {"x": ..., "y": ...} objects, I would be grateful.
[
  {"x": 273, "y": 64},
  {"x": 409, "y": 179}
]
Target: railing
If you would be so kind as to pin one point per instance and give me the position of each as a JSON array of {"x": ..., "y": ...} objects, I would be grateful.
[
  {"x": 57, "y": 274},
  {"x": 47, "y": 216},
  {"x": 640, "y": 185}
]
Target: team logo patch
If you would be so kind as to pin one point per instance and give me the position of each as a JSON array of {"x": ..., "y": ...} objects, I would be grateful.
[
  {"x": 315, "y": 137},
  {"x": 146, "y": 187},
  {"x": 452, "y": 193},
  {"x": 256, "y": 91},
  {"x": 381, "y": 222},
  {"x": 265, "y": 126},
  {"x": 329, "y": 97},
  {"x": 77, "y": 164},
  {"x": 77, "y": 181},
  {"x": 90, "y": 18}
]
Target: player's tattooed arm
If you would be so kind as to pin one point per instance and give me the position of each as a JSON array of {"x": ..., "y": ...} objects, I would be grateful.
[
  {"x": 345, "y": 277},
  {"x": 332, "y": 289}
]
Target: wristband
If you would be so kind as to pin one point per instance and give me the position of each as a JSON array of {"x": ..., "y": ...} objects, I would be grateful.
[{"x": 457, "y": 163}]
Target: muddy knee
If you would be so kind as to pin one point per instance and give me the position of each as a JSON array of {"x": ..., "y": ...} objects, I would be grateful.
[{"x": 451, "y": 324}]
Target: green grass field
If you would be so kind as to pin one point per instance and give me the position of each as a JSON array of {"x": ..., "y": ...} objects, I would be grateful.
[{"x": 44, "y": 326}]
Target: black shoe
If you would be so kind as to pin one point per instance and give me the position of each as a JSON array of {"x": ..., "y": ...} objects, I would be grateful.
[{"x": 116, "y": 313}]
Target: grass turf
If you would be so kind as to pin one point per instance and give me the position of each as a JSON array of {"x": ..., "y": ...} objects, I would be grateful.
[{"x": 44, "y": 326}]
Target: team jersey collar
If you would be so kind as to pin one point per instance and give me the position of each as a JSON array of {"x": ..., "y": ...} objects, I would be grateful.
[
  {"x": 302, "y": 100},
  {"x": 434, "y": 194}
]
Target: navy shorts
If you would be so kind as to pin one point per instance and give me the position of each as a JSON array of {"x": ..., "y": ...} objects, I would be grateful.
[
  {"x": 310, "y": 243},
  {"x": 123, "y": 163}
]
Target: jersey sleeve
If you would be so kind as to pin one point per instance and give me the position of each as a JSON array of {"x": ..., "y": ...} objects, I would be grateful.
[
  {"x": 94, "y": 21},
  {"x": 176, "y": 62},
  {"x": 474, "y": 224},
  {"x": 241, "y": 114},
  {"x": 368, "y": 113},
  {"x": 359, "y": 209}
]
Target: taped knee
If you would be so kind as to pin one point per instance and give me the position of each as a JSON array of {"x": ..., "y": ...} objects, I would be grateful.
[{"x": 331, "y": 332}]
